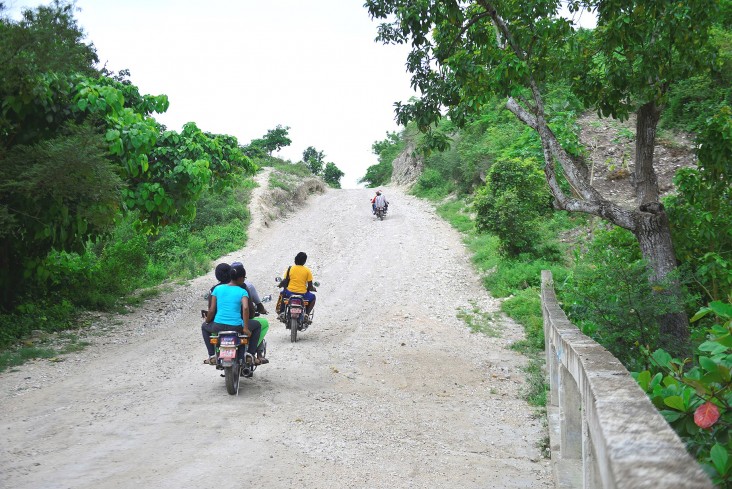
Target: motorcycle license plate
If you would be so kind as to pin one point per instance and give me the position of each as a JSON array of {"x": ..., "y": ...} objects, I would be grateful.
[
  {"x": 227, "y": 353},
  {"x": 295, "y": 311}
]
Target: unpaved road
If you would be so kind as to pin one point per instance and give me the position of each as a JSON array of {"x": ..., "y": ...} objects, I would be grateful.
[{"x": 387, "y": 389}]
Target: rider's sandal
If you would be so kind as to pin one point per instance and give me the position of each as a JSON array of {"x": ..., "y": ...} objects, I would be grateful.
[
  {"x": 262, "y": 361},
  {"x": 210, "y": 360}
]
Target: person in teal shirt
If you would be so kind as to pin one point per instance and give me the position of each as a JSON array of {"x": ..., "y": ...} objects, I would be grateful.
[{"x": 229, "y": 311}]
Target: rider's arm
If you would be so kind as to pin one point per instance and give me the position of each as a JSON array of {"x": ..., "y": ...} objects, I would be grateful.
[
  {"x": 245, "y": 314},
  {"x": 311, "y": 288},
  {"x": 253, "y": 295},
  {"x": 211, "y": 309}
]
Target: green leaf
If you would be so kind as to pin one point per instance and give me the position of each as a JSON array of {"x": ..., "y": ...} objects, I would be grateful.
[
  {"x": 672, "y": 416},
  {"x": 644, "y": 379},
  {"x": 721, "y": 309},
  {"x": 708, "y": 364},
  {"x": 720, "y": 457},
  {"x": 675, "y": 402},
  {"x": 662, "y": 358}
]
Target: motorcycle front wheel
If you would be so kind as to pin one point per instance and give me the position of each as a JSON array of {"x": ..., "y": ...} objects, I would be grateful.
[
  {"x": 232, "y": 379},
  {"x": 293, "y": 330}
]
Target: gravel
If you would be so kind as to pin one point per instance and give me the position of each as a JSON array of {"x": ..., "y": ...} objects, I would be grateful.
[{"x": 388, "y": 388}]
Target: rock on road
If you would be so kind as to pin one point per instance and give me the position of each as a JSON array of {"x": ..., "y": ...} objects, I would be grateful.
[{"x": 387, "y": 389}]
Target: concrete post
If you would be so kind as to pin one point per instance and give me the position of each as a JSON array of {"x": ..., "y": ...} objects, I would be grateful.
[
  {"x": 570, "y": 415},
  {"x": 590, "y": 471}
]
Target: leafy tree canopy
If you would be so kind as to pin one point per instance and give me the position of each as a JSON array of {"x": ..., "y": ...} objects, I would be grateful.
[
  {"x": 314, "y": 160},
  {"x": 332, "y": 175},
  {"x": 79, "y": 149},
  {"x": 274, "y": 140}
]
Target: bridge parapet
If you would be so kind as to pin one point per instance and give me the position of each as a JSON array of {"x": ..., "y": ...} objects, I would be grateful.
[{"x": 604, "y": 431}]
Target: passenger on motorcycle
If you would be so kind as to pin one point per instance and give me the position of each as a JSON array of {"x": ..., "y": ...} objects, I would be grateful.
[
  {"x": 229, "y": 311},
  {"x": 379, "y": 200},
  {"x": 300, "y": 283}
]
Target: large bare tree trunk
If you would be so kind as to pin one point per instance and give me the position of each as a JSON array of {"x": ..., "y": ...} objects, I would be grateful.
[
  {"x": 646, "y": 183},
  {"x": 648, "y": 222},
  {"x": 653, "y": 232}
]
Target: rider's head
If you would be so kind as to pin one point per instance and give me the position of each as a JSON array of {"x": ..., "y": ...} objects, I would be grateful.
[
  {"x": 222, "y": 272},
  {"x": 301, "y": 258},
  {"x": 378, "y": 192},
  {"x": 237, "y": 271}
]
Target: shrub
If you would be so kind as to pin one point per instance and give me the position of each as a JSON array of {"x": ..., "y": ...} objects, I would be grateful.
[
  {"x": 511, "y": 203},
  {"x": 695, "y": 395}
]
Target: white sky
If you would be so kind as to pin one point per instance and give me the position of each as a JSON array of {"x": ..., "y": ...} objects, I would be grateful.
[{"x": 242, "y": 67}]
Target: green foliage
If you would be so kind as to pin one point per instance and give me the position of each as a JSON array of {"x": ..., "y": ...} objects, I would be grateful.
[
  {"x": 455, "y": 212},
  {"x": 511, "y": 203},
  {"x": 314, "y": 159},
  {"x": 332, "y": 175},
  {"x": 387, "y": 150},
  {"x": 700, "y": 210},
  {"x": 608, "y": 295},
  {"x": 274, "y": 140},
  {"x": 431, "y": 185},
  {"x": 635, "y": 54},
  {"x": 693, "y": 99},
  {"x": 695, "y": 395},
  {"x": 80, "y": 151}
]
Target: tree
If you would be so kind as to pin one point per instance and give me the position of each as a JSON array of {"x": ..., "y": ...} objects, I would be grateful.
[
  {"x": 465, "y": 52},
  {"x": 387, "y": 150},
  {"x": 512, "y": 201},
  {"x": 314, "y": 160},
  {"x": 332, "y": 175},
  {"x": 274, "y": 140},
  {"x": 79, "y": 150}
]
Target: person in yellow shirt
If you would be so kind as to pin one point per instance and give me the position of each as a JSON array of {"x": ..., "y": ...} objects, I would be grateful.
[{"x": 300, "y": 281}]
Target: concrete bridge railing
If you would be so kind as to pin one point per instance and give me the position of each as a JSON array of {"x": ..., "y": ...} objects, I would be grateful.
[{"x": 604, "y": 431}]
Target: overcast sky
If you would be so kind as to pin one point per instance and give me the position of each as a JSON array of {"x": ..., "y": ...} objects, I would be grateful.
[{"x": 242, "y": 67}]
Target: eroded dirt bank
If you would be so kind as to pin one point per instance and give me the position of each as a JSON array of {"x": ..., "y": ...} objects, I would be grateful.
[{"x": 386, "y": 389}]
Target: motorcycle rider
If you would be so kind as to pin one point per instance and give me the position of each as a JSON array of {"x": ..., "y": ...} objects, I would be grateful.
[
  {"x": 379, "y": 200},
  {"x": 373, "y": 201},
  {"x": 300, "y": 283},
  {"x": 229, "y": 311}
]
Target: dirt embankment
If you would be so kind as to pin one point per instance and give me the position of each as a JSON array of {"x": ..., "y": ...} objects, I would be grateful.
[{"x": 386, "y": 389}]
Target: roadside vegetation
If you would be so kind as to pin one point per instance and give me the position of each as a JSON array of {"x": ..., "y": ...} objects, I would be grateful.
[
  {"x": 485, "y": 169},
  {"x": 101, "y": 205}
]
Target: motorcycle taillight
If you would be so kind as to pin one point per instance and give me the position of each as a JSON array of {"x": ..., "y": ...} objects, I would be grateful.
[{"x": 296, "y": 302}]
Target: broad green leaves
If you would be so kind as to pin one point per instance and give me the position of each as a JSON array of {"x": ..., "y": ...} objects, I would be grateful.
[{"x": 695, "y": 396}]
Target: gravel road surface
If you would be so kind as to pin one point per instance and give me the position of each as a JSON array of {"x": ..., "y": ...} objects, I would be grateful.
[{"x": 387, "y": 389}]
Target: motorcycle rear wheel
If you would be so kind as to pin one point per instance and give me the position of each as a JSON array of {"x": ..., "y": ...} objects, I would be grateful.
[
  {"x": 293, "y": 330},
  {"x": 232, "y": 379}
]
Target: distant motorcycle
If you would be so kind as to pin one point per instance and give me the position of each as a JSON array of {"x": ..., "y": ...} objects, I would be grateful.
[
  {"x": 380, "y": 213},
  {"x": 295, "y": 316}
]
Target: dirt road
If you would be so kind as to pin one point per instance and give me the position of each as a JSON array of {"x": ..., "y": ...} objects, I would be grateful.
[{"x": 388, "y": 388}]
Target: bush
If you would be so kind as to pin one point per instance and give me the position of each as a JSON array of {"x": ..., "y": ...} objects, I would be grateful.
[
  {"x": 432, "y": 185},
  {"x": 609, "y": 297},
  {"x": 695, "y": 395},
  {"x": 511, "y": 203}
]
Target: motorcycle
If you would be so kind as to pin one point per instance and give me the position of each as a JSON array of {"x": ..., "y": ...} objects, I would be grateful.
[
  {"x": 295, "y": 315},
  {"x": 232, "y": 356},
  {"x": 380, "y": 213}
]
